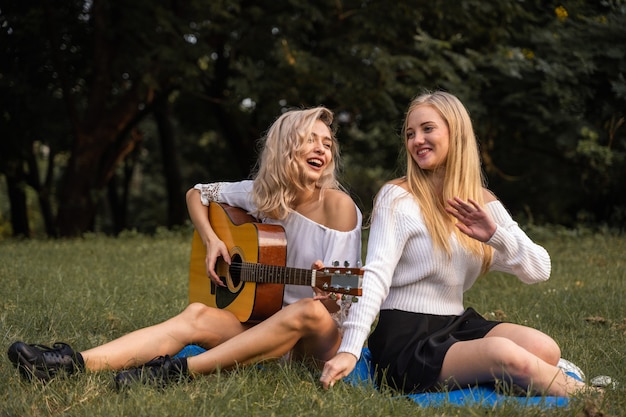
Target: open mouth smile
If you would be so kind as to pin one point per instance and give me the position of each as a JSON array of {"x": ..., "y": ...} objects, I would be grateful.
[{"x": 315, "y": 162}]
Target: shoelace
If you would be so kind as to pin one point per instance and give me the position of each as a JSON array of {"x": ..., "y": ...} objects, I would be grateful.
[{"x": 47, "y": 350}]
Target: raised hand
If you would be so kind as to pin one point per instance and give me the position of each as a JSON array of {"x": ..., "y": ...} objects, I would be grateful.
[{"x": 473, "y": 220}]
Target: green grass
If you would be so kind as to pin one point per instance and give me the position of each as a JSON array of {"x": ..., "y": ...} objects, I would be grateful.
[{"x": 88, "y": 291}]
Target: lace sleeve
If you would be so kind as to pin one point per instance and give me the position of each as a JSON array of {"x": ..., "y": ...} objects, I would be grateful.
[{"x": 209, "y": 192}]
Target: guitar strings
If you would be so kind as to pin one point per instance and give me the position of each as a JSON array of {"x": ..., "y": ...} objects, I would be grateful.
[{"x": 279, "y": 274}]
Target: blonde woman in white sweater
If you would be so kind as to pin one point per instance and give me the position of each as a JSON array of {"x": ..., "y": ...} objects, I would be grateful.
[{"x": 433, "y": 233}]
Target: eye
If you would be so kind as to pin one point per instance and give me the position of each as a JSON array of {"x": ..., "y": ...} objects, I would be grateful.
[
  {"x": 328, "y": 145},
  {"x": 410, "y": 135}
]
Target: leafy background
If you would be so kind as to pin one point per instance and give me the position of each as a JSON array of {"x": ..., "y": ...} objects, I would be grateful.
[{"x": 111, "y": 111}]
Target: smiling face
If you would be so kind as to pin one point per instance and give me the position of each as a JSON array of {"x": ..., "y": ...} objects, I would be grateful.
[
  {"x": 427, "y": 137},
  {"x": 316, "y": 152}
]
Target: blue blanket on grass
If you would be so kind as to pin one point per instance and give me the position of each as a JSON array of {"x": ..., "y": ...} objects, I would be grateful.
[{"x": 481, "y": 395}]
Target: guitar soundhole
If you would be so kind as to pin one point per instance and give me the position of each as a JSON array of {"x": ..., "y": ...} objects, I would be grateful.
[{"x": 235, "y": 270}]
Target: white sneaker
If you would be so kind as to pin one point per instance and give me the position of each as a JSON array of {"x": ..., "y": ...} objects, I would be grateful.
[
  {"x": 602, "y": 381},
  {"x": 569, "y": 368}
]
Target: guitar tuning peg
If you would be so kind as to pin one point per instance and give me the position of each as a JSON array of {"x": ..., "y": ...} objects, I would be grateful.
[
  {"x": 333, "y": 296},
  {"x": 359, "y": 264},
  {"x": 355, "y": 299},
  {"x": 335, "y": 263},
  {"x": 346, "y": 264}
]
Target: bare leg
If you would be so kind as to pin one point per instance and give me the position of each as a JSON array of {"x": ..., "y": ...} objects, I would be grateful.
[
  {"x": 197, "y": 324},
  {"x": 496, "y": 356},
  {"x": 534, "y": 341},
  {"x": 305, "y": 326}
]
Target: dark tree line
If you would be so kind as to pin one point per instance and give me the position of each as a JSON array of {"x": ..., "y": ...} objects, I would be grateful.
[{"x": 111, "y": 110}]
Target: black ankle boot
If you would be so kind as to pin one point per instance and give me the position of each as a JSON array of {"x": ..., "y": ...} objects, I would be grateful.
[
  {"x": 43, "y": 362},
  {"x": 159, "y": 371}
]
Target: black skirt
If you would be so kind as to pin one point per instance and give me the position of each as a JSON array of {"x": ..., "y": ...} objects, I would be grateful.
[{"x": 408, "y": 348}]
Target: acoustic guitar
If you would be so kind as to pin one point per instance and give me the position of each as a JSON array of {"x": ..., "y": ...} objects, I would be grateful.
[{"x": 256, "y": 277}]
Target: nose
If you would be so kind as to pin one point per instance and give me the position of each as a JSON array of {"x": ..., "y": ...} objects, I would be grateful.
[
  {"x": 318, "y": 146},
  {"x": 417, "y": 139}
]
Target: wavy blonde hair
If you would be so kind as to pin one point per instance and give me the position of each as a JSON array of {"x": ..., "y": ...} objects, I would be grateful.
[
  {"x": 279, "y": 176},
  {"x": 463, "y": 175}
]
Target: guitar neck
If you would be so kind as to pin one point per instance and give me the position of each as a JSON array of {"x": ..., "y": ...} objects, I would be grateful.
[{"x": 273, "y": 274}]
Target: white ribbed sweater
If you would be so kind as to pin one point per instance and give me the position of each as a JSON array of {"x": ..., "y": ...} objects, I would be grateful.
[{"x": 404, "y": 272}]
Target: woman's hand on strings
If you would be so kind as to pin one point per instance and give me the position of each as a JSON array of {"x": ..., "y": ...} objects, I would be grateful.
[
  {"x": 216, "y": 249},
  {"x": 325, "y": 297}
]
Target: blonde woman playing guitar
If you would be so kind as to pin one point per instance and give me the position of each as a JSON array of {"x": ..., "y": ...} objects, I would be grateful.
[{"x": 295, "y": 187}]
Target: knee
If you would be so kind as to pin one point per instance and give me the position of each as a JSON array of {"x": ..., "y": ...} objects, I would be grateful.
[
  {"x": 196, "y": 314},
  {"x": 533, "y": 341},
  {"x": 194, "y": 310},
  {"x": 545, "y": 348},
  {"x": 552, "y": 352},
  {"x": 309, "y": 312}
]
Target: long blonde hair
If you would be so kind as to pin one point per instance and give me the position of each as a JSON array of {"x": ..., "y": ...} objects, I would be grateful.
[
  {"x": 463, "y": 175},
  {"x": 279, "y": 176}
]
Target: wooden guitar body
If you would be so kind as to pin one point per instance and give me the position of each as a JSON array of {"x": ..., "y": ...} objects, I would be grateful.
[
  {"x": 255, "y": 280},
  {"x": 247, "y": 240}
]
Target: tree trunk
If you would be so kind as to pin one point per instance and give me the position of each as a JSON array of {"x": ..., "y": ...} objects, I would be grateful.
[
  {"x": 119, "y": 187},
  {"x": 90, "y": 167},
  {"x": 78, "y": 195},
  {"x": 176, "y": 209},
  {"x": 17, "y": 199},
  {"x": 43, "y": 189}
]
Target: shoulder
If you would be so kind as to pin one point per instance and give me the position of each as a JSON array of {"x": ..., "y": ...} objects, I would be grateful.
[
  {"x": 393, "y": 190},
  {"x": 400, "y": 182},
  {"x": 339, "y": 198},
  {"x": 340, "y": 210},
  {"x": 489, "y": 196}
]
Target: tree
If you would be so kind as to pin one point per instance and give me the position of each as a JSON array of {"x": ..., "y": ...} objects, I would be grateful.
[
  {"x": 106, "y": 76},
  {"x": 205, "y": 79}
]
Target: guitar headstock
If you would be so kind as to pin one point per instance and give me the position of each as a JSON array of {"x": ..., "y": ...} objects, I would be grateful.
[{"x": 348, "y": 281}]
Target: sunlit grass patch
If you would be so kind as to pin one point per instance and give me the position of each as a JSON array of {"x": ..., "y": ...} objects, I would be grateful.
[{"x": 88, "y": 291}]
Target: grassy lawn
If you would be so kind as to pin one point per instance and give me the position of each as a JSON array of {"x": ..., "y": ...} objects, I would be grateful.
[{"x": 88, "y": 291}]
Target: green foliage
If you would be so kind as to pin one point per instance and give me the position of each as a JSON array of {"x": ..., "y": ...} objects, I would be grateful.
[
  {"x": 544, "y": 83},
  {"x": 88, "y": 291}
]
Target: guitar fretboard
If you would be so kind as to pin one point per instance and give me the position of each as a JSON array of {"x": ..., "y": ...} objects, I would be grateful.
[{"x": 272, "y": 274}]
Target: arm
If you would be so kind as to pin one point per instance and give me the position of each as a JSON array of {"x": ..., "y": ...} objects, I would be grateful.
[
  {"x": 344, "y": 242},
  {"x": 199, "y": 214},
  {"x": 386, "y": 240},
  {"x": 515, "y": 252}
]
